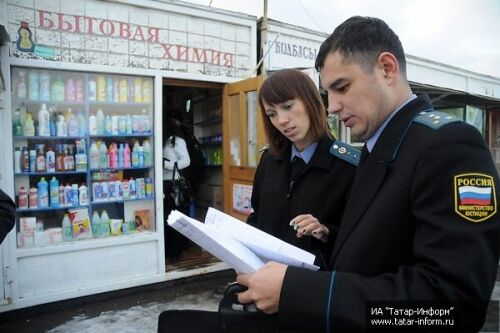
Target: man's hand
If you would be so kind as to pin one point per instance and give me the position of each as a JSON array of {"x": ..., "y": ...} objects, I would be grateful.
[
  {"x": 264, "y": 287},
  {"x": 307, "y": 225}
]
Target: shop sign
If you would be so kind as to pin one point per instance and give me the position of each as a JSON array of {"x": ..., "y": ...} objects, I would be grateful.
[
  {"x": 291, "y": 52},
  {"x": 154, "y": 46}
]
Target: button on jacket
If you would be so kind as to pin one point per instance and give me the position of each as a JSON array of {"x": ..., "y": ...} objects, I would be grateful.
[
  {"x": 407, "y": 234},
  {"x": 321, "y": 189}
]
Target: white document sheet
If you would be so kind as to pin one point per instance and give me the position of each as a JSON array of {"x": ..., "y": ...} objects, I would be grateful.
[
  {"x": 227, "y": 249},
  {"x": 266, "y": 246}
]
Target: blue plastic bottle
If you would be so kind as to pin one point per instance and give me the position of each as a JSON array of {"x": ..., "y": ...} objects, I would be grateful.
[
  {"x": 54, "y": 192},
  {"x": 43, "y": 193},
  {"x": 120, "y": 156}
]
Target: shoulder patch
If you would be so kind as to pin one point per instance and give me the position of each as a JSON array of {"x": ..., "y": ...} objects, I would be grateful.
[
  {"x": 475, "y": 196},
  {"x": 345, "y": 152},
  {"x": 435, "y": 119}
]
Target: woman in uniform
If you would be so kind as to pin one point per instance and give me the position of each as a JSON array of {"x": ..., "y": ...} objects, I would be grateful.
[{"x": 300, "y": 187}]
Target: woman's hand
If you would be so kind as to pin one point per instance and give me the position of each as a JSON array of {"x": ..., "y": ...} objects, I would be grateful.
[{"x": 308, "y": 225}]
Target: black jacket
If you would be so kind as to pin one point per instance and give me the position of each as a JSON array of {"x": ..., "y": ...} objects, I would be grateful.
[
  {"x": 321, "y": 190},
  {"x": 406, "y": 236},
  {"x": 7, "y": 215}
]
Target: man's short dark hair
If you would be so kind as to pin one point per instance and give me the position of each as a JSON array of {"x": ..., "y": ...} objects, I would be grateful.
[{"x": 361, "y": 40}]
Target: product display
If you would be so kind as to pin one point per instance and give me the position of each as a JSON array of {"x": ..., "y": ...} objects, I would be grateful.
[{"x": 82, "y": 147}]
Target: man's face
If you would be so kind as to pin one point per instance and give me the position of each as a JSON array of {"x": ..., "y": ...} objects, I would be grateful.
[{"x": 356, "y": 97}]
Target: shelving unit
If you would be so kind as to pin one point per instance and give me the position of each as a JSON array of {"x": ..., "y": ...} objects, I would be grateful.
[
  {"x": 137, "y": 115},
  {"x": 207, "y": 122}
]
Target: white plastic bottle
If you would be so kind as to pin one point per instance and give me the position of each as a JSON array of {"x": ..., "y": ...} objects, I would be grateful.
[
  {"x": 92, "y": 125},
  {"x": 61, "y": 128},
  {"x": 29, "y": 125},
  {"x": 43, "y": 121},
  {"x": 94, "y": 156},
  {"x": 105, "y": 228},
  {"x": 108, "y": 127},
  {"x": 50, "y": 160},
  {"x": 66, "y": 226},
  {"x": 103, "y": 156},
  {"x": 100, "y": 126},
  {"x": 148, "y": 157},
  {"x": 92, "y": 89},
  {"x": 135, "y": 155},
  {"x": 96, "y": 225},
  {"x": 83, "y": 195},
  {"x": 81, "y": 156},
  {"x": 82, "y": 127},
  {"x": 73, "y": 129},
  {"x": 33, "y": 85}
]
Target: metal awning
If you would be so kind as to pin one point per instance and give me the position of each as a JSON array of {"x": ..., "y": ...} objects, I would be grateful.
[{"x": 443, "y": 97}]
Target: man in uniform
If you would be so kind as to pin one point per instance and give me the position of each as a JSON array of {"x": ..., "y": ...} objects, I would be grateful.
[
  {"x": 419, "y": 242},
  {"x": 7, "y": 215}
]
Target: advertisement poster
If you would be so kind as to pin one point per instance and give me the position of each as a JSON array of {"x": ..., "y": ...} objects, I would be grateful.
[{"x": 241, "y": 198}]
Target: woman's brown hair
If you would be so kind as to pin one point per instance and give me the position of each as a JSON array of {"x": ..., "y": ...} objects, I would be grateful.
[{"x": 285, "y": 85}]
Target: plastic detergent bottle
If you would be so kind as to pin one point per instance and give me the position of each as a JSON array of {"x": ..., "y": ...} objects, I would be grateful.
[
  {"x": 100, "y": 122},
  {"x": 54, "y": 192},
  {"x": 29, "y": 125},
  {"x": 148, "y": 156},
  {"x": 123, "y": 87},
  {"x": 66, "y": 226},
  {"x": 57, "y": 90},
  {"x": 109, "y": 89},
  {"x": 50, "y": 160},
  {"x": 101, "y": 88},
  {"x": 105, "y": 228},
  {"x": 21, "y": 85},
  {"x": 73, "y": 129},
  {"x": 146, "y": 91},
  {"x": 120, "y": 156},
  {"x": 94, "y": 156},
  {"x": 43, "y": 121},
  {"x": 44, "y": 86},
  {"x": 138, "y": 90},
  {"x": 92, "y": 85},
  {"x": 96, "y": 225},
  {"x": 126, "y": 156},
  {"x": 69, "y": 90},
  {"x": 103, "y": 156},
  {"x": 33, "y": 89},
  {"x": 79, "y": 90},
  {"x": 83, "y": 195},
  {"x": 82, "y": 126},
  {"x": 43, "y": 193}
]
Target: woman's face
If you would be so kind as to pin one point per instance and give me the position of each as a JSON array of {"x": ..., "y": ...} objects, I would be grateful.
[{"x": 292, "y": 120}]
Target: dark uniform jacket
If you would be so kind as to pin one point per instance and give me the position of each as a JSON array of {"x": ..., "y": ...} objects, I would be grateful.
[
  {"x": 321, "y": 190},
  {"x": 7, "y": 215},
  {"x": 413, "y": 230}
]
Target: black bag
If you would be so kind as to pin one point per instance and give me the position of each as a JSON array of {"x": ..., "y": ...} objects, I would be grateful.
[
  {"x": 181, "y": 189},
  {"x": 241, "y": 318}
]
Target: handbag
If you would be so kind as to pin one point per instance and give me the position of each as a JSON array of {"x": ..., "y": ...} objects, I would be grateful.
[{"x": 181, "y": 189}]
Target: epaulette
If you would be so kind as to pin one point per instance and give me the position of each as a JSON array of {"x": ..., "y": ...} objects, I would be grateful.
[
  {"x": 435, "y": 119},
  {"x": 264, "y": 148},
  {"x": 346, "y": 152}
]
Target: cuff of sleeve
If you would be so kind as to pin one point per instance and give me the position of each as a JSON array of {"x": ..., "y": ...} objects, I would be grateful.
[{"x": 305, "y": 300}]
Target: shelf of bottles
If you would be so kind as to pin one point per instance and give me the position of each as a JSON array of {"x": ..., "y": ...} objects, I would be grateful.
[{"x": 83, "y": 155}]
